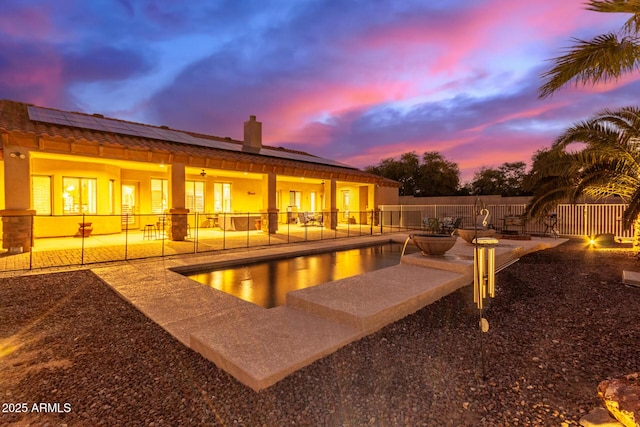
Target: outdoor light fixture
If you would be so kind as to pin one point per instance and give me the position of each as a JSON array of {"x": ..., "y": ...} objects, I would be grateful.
[{"x": 17, "y": 154}]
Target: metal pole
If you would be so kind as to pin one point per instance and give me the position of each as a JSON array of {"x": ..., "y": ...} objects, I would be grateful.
[
  {"x": 371, "y": 225},
  {"x": 195, "y": 234},
  {"x": 224, "y": 230},
  {"x": 164, "y": 226},
  {"x": 126, "y": 236},
  {"x": 82, "y": 237},
  {"x": 484, "y": 374},
  {"x": 31, "y": 245}
]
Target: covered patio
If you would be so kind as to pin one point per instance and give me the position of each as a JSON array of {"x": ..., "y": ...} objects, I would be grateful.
[{"x": 66, "y": 174}]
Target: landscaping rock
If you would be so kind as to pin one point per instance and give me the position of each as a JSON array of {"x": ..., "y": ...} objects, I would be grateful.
[
  {"x": 621, "y": 396},
  {"x": 599, "y": 417},
  {"x": 559, "y": 320}
]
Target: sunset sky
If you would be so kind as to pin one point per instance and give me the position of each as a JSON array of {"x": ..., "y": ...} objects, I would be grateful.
[{"x": 356, "y": 81}]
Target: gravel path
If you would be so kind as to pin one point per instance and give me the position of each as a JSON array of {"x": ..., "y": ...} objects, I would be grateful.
[{"x": 560, "y": 323}]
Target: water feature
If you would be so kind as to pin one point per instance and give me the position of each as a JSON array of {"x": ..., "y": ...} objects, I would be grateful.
[{"x": 267, "y": 283}]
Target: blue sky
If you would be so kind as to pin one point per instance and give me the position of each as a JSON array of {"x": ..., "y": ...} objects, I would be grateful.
[{"x": 356, "y": 81}]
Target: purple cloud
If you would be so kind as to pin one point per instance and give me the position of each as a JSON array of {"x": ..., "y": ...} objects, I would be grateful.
[{"x": 353, "y": 81}]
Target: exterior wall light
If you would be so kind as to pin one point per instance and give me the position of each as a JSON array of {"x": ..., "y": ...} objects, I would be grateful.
[{"x": 17, "y": 154}]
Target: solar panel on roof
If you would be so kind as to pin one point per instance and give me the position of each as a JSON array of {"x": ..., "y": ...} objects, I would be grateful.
[
  {"x": 301, "y": 157},
  {"x": 102, "y": 124}
]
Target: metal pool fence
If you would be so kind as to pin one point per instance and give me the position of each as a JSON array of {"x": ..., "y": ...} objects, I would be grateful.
[{"x": 67, "y": 240}]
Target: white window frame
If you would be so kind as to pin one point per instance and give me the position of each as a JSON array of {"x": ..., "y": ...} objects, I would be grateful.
[
  {"x": 86, "y": 204},
  {"x": 159, "y": 195},
  {"x": 194, "y": 196},
  {"x": 222, "y": 197},
  {"x": 41, "y": 200}
]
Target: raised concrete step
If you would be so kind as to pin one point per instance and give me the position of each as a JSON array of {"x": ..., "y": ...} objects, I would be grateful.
[
  {"x": 262, "y": 347},
  {"x": 372, "y": 300}
]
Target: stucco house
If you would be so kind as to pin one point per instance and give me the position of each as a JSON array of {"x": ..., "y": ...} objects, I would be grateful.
[{"x": 57, "y": 166}]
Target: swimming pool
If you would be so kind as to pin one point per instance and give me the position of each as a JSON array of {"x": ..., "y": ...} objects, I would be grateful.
[{"x": 266, "y": 283}]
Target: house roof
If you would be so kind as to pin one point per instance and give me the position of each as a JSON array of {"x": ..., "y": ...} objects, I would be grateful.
[{"x": 113, "y": 138}]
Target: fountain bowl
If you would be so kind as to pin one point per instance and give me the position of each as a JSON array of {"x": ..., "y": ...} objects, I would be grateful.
[
  {"x": 468, "y": 234},
  {"x": 433, "y": 244}
]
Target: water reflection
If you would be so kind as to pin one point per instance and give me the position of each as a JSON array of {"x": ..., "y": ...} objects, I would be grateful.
[{"x": 267, "y": 283}]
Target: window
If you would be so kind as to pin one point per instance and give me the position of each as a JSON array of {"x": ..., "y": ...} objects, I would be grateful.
[
  {"x": 312, "y": 201},
  {"x": 294, "y": 199},
  {"x": 41, "y": 194},
  {"x": 79, "y": 196},
  {"x": 194, "y": 196},
  {"x": 159, "y": 195},
  {"x": 112, "y": 204},
  {"x": 346, "y": 196},
  {"x": 222, "y": 197}
]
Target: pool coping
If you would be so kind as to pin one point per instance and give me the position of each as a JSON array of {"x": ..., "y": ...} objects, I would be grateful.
[{"x": 260, "y": 346}]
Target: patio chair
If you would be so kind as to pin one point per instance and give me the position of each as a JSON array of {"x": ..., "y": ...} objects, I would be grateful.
[
  {"x": 315, "y": 218},
  {"x": 453, "y": 226},
  {"x": 302, "y": 218}
]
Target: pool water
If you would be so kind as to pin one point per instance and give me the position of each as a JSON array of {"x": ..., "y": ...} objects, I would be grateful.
[{"x": 266, "y": 283}]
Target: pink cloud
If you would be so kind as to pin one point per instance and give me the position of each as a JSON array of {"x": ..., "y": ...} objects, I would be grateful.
[
  {"x": 527, "y": 113},
  {"x": 27, "y": 23},
  {"x": 296, "y": 119},
  {"x": 26, "y": 76}
]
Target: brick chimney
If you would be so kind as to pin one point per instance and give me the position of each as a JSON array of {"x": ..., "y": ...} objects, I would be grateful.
[{"x": 252, "y": 135}]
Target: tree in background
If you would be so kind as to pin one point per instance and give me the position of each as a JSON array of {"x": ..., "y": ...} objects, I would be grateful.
[
  {"x": 603, "y": 58},
  {"x": 507, "y": 180},
  {"x": 438, "y": 176},
  {"x": 432, "y": 175},
  {"x": 405, "y": 170}
]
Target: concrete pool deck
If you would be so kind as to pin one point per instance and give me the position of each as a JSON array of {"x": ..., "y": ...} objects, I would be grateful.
[{"x": 259, "y": 346}]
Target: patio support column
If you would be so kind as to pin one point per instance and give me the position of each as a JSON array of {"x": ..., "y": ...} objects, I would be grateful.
[
  {"x": 177, "y": 218},
  {"x": 270, "y": 215},
  {"x": 331, "y": 213},
  {"x": 17, "y": 217}
]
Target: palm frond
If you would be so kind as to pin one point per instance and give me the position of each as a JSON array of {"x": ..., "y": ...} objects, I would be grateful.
[
  {"x": 546, "y": 200},
  {"x": 632, "y": 210},
  {"x": 605, "y": 57},
  {"x": 615, "y": 6}
]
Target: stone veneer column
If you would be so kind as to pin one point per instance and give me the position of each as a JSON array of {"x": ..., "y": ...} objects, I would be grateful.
[
  {"x": 17, "y": 217},
  {"x": 330, "y": 215},
  {"x": 269, "y": 216},
  {"x": 177, "y": 223},
  {"x": 177, "y": 215},
  {"x": 17, "y": 229}
]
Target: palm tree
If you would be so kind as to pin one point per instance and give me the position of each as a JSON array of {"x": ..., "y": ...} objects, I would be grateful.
[
  {"x": 605, "y": 57},
  {"x": 598, "y": 157}
]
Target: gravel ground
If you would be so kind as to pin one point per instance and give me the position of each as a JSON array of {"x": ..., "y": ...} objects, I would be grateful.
[{"x": 560, "y": 323}]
